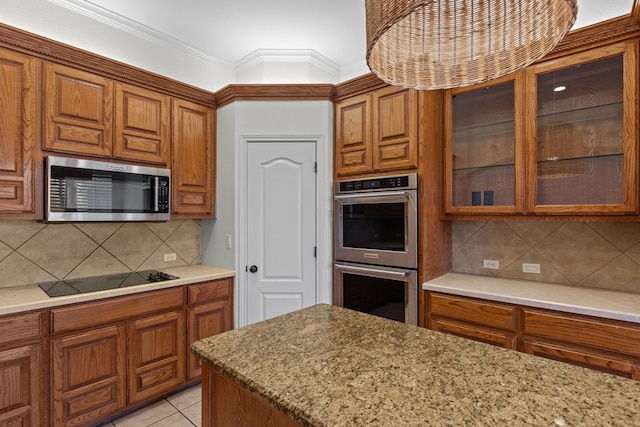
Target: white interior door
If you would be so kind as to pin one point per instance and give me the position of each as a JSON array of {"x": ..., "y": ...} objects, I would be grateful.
[{"x": 281, "y": 228}]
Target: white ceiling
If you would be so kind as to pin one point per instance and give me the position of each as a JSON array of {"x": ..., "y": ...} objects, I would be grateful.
[{"x": 226, "y": 31}]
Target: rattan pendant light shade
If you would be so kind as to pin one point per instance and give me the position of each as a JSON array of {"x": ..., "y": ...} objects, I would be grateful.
[{"x": 438, "y": 44}]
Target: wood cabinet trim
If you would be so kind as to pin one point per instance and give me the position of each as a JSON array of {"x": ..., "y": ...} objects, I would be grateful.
[{"x": 274, "y": 92}]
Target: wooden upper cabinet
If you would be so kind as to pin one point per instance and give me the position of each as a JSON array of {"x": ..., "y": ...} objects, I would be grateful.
[
  {"x": 353, "y": 136},
  {"x": 484, "y": 129},
  {"x": 78, "y": 111},
  {"x": 377, "y": 132},
  {"x": 395, "y": 129},
  {"x": 193, "y": 160},
  {"x": 582, "y": 112},
  {"x": 141, "y": 125},
  {"x": 558, "y": 138},
  {"x": 20, "y": 166}
]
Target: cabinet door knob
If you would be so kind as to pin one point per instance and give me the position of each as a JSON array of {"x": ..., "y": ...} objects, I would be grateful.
[{"x": 253, "y": 268}]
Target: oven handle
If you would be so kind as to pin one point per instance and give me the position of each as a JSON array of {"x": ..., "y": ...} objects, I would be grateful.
[
  {"x": 383, "y": 273},
  {"x": 370, "y": 195}
]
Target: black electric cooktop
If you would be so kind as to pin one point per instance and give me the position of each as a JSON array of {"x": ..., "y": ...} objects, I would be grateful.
[{"x": 102, "y": 283}]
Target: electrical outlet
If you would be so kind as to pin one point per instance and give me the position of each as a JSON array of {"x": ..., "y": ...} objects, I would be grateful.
[
  {"x": 530, "y": 268},
  {"x": 169, "y": 257},
  {"x": 228, "y": 241},
  {"x": 491, "y": 264}
]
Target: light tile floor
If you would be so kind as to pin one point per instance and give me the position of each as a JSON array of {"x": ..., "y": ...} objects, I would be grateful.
[{"x": 179, "y": 410}]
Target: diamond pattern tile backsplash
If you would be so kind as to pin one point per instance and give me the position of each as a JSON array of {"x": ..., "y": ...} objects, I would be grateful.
[
  {"x": 595, "y": 255},
  {"x": 33, "y": 252}
]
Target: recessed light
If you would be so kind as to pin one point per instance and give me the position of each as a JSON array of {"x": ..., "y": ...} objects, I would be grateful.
[{"x": 559, "y": 88}]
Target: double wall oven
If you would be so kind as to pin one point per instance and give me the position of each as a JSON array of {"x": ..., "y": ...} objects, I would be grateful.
[{"x": 375, "y": 246}]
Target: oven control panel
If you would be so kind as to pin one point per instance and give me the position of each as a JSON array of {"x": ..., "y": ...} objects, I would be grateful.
[{"x": 396, "y": 182}]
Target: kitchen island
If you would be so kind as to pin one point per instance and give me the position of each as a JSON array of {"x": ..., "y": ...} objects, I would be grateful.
[{"x": 329, "y": 366}]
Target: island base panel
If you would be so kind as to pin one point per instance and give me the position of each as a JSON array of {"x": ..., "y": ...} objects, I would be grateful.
[{"x": 226, "y": 403}]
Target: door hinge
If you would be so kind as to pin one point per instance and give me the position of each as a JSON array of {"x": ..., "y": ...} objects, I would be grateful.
[
  {"x": 315, "y": 167},
  {"x": 315, "y": 252}
]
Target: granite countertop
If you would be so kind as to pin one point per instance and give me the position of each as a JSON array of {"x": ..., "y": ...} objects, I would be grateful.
[
  {"x": 329, "y": 366},
  {"x": 31, "y": 297},
  {"x": 571, "y": 299}
]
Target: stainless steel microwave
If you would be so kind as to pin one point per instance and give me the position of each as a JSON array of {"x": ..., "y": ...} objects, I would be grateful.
[{"x": 88, "y": 190}]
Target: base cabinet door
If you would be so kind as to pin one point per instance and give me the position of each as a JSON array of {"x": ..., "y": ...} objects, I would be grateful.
[
  {"x": 156, "y": 355},
  {"x": 88, "y": 376},
  {"x": 21, "y": 400},
  {"x": 204, "y": 321}
]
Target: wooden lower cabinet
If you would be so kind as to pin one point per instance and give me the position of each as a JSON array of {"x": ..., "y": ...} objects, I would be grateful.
[
  {"x": 478, "y": 320},
  {"x": 109, "y": 355},
  {"x": 88, "y": 375},
  {"x": 210, "y": 312},
  {"x": 601, "y": 344},
  {"x": 156, "y": 355},
  {"x": 588, "y": 358},
  {"x": 22, "y": 401}
]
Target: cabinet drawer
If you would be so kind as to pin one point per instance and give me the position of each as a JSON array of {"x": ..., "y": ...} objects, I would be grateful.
[
  {"x": 580, "y": 357},
  {"x": 477, "y": 334},
  {"x": 583, "y": 331},
  {"x": 481, "y": 312},
  {"x": 209, "y": 291},
  {"x": 118, "y": 309},
  {"x": 21, "y": 327}
]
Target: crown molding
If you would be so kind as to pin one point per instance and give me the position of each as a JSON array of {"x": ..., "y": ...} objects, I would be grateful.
[
  {"x": 309, "y": 56},
  {"x": 274, "y": 92},
  {"x": 134, "y": 28}
]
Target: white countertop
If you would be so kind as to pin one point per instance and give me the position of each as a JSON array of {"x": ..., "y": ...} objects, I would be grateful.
[
  {"x": 25, "y": 298},
  {"x": 570, "y": 299}
]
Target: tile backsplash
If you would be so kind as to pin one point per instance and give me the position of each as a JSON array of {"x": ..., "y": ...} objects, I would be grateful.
[
  {"x": 33, "y": 252},
  {"x": 596, "y": 255}
]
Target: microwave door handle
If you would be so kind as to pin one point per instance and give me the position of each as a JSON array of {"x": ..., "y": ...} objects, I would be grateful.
[
  {"x": 156, "y": 194},
  {"x": 380, "y": 272},
  {"x": 369, "y": 195}
]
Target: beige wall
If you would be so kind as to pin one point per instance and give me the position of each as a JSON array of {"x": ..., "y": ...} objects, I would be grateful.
[
  {"x": 33, "y": 252},
  {"x": 597, "y": 255}
]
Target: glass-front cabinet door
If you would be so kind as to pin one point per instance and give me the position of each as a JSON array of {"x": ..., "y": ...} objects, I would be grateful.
[
  {"x": 484, "y": 126},
  {"x": 582, "y": 133}
]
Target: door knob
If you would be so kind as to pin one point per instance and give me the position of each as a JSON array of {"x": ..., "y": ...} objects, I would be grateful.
[{"x": 253, "y": 268}]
